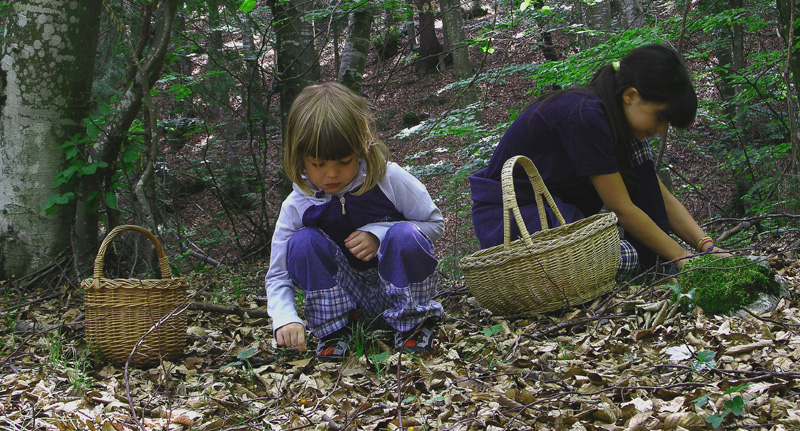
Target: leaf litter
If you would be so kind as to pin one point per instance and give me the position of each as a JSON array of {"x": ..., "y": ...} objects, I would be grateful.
[{"x": 639, "y": 364}]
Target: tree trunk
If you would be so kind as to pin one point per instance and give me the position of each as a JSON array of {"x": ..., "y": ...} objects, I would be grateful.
[
  {"x": 408, "y": 27},
  {"x": 789, "y": 12},
  {"x": 429, "y": 46},
  {"x": 356, "y": 47},
  {"x": 183, "y": 68},
  {"x": 337, "y": 57},
  {"x": 607, "y": 18},
  {"x": 462, "y": 66},
  {"x": 548, "y": 49},
  {"x": 47, "y": 66},
  {"x": 626, "y": 14},
  {"x": 297, "y": 58},
  {"x": 257, "y": 114},
  {"x": 729, "y": 50},
  {"x": 597, "y": 18}
]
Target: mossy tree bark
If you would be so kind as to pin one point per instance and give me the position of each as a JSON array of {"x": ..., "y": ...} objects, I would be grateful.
[{"x": 47, "y": 64}]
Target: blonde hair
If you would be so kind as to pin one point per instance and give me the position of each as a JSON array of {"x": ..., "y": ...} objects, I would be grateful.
[{"x": 330, "y": 122}]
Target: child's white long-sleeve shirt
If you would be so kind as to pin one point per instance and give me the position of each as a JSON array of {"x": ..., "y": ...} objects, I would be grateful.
[{"x": 398, "y": 196}]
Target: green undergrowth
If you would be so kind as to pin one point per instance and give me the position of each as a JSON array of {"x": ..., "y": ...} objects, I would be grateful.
[{"x": 723, "y": 285}]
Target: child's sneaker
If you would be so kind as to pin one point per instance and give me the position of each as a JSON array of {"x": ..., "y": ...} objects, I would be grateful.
[
  {"x": 334, "y": 346},
  {"x": 419, "y": 340}
]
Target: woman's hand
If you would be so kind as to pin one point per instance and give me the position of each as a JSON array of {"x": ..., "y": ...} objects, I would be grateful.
[
  {"x": 718, "y": 252},
  {"x": 363, "y": 245},
  {"x": 715, "y": 251},
  {"x": 292, "y": 335}
]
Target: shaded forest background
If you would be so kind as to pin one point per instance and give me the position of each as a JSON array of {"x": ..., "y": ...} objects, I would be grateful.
[{"x": 200, "y": 162}]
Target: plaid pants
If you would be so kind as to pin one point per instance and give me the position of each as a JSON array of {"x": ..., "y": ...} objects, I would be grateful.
[
  {"x": 396, "y": 292},
  {"x": 630, "y": 258}
]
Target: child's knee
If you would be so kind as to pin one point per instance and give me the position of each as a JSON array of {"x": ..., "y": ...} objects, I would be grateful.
[
  {"x": 310, "y": 255},
  {"x": 310, "y": 241},
  {"x": 406, "y": 236},
  {"x": 406, "y": 256}
]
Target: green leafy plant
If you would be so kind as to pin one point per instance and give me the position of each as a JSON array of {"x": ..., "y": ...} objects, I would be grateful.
[
  {"x": 360, "y": 342},
  {"x": 77, "y": 168},
  {"x": 10, "y": 306},
  {"x": 4, "y": 7},
  {"x": 79, "y": 165},
  {"x": 566, "y": 351},
  {"x": 684, "y": 298},
  {"x": 464, "y": 122},
  {"x": 733, "y": 405},
  {"x": 243, "y": 359},
  {"x": 72, "y": 362},
  {"x": 492, "y": 330},
  {"x": 247, "y": 5},
  {"x": 364, "y": 341},
  {"x": 228, "y": 286},
  {"x": 378, "y": 360},
  {"x": 704, "y": 361},
  {"x": 722, "y": 285}
]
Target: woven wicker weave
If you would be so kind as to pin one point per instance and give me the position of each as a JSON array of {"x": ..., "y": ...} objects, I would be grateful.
[
  {"x": 120, "y": 311},
  {"x": 549, "y": 270}
]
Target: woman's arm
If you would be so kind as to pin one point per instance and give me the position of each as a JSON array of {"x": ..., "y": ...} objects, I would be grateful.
[
  {"x": 681, "y": 222},
  {"x": 636, "y": 222}
]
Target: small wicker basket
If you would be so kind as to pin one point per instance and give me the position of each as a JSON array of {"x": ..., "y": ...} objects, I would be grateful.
[
  {"x": 549, "y": 270},
  {"x": 120, "y": 312}
]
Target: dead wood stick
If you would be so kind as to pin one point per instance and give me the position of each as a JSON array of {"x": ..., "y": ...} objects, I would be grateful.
[
  {"x": 570, "y": 323},
  {"x": 777, "y": 322},
  {"x": 253, "y": 313},
  {"x": 734, "y": 230}
]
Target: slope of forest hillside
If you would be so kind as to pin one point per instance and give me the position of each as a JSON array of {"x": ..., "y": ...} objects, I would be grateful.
[{"x": 634, "y": 359}]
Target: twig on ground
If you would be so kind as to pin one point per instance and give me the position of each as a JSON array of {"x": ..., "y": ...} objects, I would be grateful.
[
  {"x": 777, "y": 322},
  {"x": 253, "y": 313},
  {"x": 570, "y": 323}
]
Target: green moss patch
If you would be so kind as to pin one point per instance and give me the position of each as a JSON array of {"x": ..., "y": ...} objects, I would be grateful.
[{"x": 724, "y": 285}]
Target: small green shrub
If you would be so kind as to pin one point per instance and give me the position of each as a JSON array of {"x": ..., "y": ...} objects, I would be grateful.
[{"x": 727, "y": 284}]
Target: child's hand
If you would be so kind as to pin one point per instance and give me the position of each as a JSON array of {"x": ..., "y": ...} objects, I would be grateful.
[
  {"x": 363, "y": 245},
  {"x": 292, "y": 335}
]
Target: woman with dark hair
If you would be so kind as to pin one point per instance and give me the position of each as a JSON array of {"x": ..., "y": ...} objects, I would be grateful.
[{"x": 589, "y": 144}]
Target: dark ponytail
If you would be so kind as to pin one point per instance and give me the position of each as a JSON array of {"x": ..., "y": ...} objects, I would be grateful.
[{"x": 659, "y": 75}]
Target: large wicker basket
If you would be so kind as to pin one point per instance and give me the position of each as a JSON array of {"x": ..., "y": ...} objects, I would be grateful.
[
  {"x": 549, "y": 270},
  {"x": 120, "y": 312}
]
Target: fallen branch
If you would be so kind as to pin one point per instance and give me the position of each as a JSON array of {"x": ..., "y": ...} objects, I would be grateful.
[
  {"x": 253, "y": 313},
  {"x": 202, "y": 257},
  {"x": 777, "y": 322},
  {"x": 570, "y": 323},
  {"x": 734, "y": 230}
]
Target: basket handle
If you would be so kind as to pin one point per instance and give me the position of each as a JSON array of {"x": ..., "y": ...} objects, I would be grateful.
[
  {"x": 166, "y": 272},
  {"x": 510, "y": 199}
]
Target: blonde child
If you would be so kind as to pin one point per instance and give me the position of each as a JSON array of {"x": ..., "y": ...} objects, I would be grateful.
[{"x": 355, "y": 234}]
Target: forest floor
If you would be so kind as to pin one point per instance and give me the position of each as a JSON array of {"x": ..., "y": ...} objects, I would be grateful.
[{"x": 632, "y": 359}]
